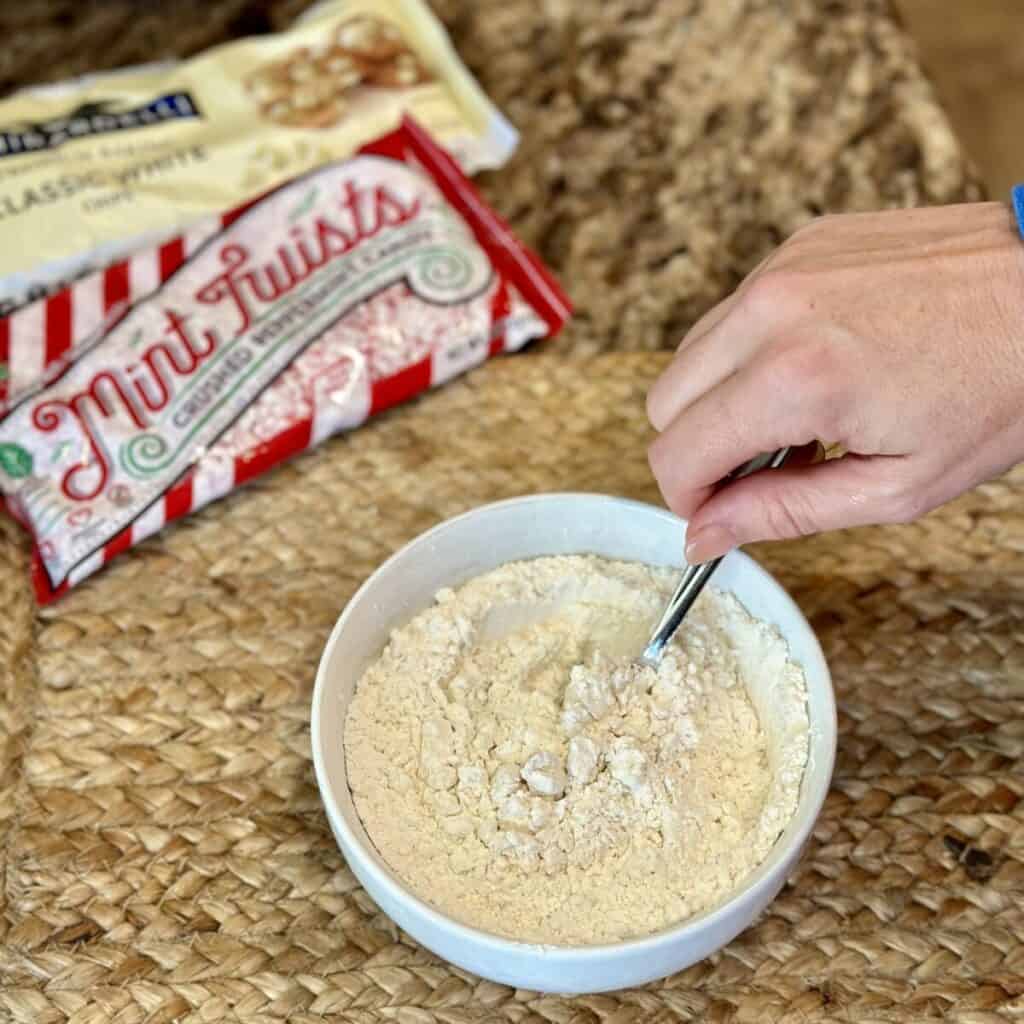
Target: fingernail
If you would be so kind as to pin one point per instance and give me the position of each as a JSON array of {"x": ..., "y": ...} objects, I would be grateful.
[{"x": 709, "y": 542}]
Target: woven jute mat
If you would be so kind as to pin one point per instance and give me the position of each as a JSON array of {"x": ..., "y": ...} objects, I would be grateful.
[
  {"x": 667, "y": 145},
  {"x": 164, "y": 852}
]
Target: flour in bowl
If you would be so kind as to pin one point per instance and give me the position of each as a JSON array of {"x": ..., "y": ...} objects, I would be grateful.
[{"x": 518, "y": 771}]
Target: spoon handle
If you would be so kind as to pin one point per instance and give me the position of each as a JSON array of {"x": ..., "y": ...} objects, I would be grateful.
[{"x": 695, "y": 577}]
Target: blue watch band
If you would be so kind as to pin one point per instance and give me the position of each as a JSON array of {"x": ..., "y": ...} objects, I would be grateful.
[{"x": 1017, "y": 196}]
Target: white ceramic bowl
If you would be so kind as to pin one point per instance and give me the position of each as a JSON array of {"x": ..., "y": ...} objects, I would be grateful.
[{"x": 471, "y": 544}]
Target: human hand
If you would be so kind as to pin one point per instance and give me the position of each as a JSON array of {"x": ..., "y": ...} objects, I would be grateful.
[{"x": 898, "y": 335}]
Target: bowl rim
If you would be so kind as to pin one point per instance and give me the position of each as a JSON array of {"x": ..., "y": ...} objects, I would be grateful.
[{"x": 373, "y": 864}]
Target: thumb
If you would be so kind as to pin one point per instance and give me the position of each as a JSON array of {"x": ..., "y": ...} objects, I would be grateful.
[{"x": 780, "y": 504}]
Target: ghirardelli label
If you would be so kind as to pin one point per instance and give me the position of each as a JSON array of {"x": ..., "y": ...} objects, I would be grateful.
[{"x": 97, "y": 117}]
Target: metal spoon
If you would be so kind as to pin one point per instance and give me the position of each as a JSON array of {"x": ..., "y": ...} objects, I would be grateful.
[{"x": 696, "y": 576}]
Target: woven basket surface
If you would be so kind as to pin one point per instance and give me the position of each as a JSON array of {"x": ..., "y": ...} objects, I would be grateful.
[{"x": 164, "y": 852}]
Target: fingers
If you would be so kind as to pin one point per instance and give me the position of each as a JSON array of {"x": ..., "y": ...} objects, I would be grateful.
[
  {"x": 707, "y": 322},
  {"x": 745, "y": 415},
  {"x": 717, "y": 538},
  {"x": 711, "y": 318},
  {"x": 718, "y": 312},
  {"x": 721, "y": 357},
  {"x": 703, "y": 364},
  {"x": 796, "y": 501}
]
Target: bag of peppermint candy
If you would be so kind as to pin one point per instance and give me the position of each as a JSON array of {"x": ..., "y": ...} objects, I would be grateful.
[{"x": 165, "y": 381}]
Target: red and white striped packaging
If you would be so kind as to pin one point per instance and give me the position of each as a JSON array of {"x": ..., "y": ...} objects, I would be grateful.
[{"x": 158, "y": 385}]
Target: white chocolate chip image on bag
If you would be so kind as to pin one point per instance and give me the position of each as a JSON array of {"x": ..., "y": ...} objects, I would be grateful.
[
  {"x": 342, "y": 68},
  {"x": 402, "y": 72},
  {"x": 315, "y": 89},
  {"x": 371, "y": 39}
]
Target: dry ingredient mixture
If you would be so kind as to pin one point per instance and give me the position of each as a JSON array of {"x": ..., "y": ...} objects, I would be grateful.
[{"x": 514, "y": 766}]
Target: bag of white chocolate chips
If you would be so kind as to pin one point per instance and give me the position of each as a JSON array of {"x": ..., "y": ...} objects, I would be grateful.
[{"x": 94, "y": 168}]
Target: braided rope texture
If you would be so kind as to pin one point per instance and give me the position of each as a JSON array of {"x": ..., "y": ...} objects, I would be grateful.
[
  {"x": 667, "y": 145},
  {"x": 164, "y": 853}
]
